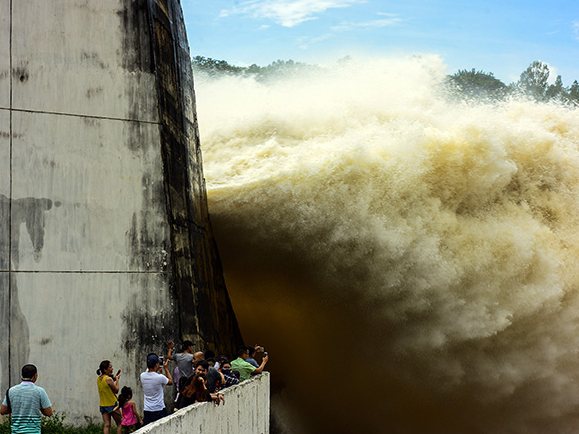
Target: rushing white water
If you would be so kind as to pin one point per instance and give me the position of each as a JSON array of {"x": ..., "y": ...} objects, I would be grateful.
[{"x": 409, "y": 263}]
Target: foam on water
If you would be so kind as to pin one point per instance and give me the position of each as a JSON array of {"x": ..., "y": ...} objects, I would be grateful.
[{"x": 409, "y": 263}]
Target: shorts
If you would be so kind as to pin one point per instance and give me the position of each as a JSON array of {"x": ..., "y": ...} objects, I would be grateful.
[
  {"x": 152, "y": 416},
  {"x": 107, "y": 409}
]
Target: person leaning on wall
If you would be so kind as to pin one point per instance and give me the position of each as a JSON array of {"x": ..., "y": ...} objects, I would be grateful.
[
  {"x": 246, "y": 369},
  {"x": 25, "y": 402}
]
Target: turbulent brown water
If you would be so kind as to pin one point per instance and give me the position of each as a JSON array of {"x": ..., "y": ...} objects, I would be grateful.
[{"x": 409, "y": 263}]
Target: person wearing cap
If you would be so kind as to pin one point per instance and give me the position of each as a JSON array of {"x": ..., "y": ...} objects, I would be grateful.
[
  {"x": 26, "y": 402},
  {"x": 153, "y": 383}
]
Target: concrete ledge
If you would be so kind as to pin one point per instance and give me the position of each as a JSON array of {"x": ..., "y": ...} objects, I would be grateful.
[{"x": 246, "y": 411}]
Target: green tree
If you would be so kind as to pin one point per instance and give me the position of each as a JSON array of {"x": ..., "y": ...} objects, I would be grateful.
[
  {"x": 284, "y": 68},
  {"x": 557, "y": 90},
  {"x": 573, "y": 94},
  {"x": 213, "y": 67},
  {"x": 477, "y": 84},
  {"x": 533, "y": 81},
  {"x": 277, "y": 69}
]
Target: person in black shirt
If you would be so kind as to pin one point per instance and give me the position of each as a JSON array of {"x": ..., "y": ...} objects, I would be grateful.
[{"x": 196, "y": 391}]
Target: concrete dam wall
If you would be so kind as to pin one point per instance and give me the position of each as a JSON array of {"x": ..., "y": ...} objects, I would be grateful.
[
  {"x": 106, "y": 248},
  {"x": 246, "y": 411}
]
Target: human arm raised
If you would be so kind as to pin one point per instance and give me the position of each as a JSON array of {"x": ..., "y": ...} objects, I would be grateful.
[
  {"x": 260, "y": 369},
  {"x": 114, "y": 382},
  {"x": 170, "y": 346},
  {"x": 167, "y": 373}
]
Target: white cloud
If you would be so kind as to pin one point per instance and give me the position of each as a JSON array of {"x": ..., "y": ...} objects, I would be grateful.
[
  {"x": 306, "y": 41},
  {"x": 576, "y": 30},
  {"x": 288, "y": 13},
  {"x": 384, "y": 22}
]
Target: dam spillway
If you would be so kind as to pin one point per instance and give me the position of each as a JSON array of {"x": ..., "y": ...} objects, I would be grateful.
[
  {"x": 106, "y": 248},
  {"x": 425, "y": 247}
]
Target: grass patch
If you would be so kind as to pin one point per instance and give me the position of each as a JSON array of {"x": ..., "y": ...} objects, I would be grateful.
[{"x": 57, "y": 425}]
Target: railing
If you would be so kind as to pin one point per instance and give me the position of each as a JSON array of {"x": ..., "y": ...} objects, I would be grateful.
[{"x": 246, "y": 411}]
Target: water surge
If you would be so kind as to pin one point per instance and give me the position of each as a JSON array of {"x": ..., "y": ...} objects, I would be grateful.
[{"x": 409, "y": 262}]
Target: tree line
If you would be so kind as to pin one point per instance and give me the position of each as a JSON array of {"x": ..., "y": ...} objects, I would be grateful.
[
  {"x": 276, "y": 69},
  {"x": 533, "y": 83},
  {"x": 464, "y": 84}
]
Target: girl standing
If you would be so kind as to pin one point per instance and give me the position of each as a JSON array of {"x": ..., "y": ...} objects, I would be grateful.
[{"x": 131, "y": 418}]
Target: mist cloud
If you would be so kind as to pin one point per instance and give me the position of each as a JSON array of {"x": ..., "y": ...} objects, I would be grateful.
[{"x": 415, "y": 252}]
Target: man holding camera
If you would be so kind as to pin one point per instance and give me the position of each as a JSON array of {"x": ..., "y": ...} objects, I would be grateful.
[
  {"x": 246, "y": 369},
  {"x": 153, "y": 383}
]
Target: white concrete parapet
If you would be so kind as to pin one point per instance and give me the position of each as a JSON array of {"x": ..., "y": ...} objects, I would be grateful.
[{"x": 246, "y": 411}]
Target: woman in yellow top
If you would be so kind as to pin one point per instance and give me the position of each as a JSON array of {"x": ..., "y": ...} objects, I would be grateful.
[{"x": 108, "y": 386}]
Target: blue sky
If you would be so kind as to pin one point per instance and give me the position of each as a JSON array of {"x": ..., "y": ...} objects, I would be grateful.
[{"x": 498, "y": 36}]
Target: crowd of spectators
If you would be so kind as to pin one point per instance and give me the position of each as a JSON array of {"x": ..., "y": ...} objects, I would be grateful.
[
  {"x": 198, "y": 377},
  {"x": 201, "y": 375}
]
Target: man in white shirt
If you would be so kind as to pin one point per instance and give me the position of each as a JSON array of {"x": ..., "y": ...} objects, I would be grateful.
[{"x": 153, "y": 383}]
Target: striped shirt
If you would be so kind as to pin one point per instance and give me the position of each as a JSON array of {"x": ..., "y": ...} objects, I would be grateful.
[{"x": 26, "y": 401}]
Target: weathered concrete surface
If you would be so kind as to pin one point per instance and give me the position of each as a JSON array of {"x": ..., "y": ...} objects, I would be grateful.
[
  {"x": 4, "y": 54},
  {"x": 4, "y": 234},
  {"x": 206, "y": 315},
  {"x": 108, "y": 41},
  {"x": 246, "y": 411},
  {"x": 114, "y": 176},
  {"x": 4, "y": 167},
  {"x": 106, "y": 249},
  {"x": 61, "y": 346}
]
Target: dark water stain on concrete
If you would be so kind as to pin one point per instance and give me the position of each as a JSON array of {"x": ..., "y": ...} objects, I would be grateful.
[
  {"x": 150, "y": 320},
  {"x": 6, "y": 135},
  {"x": 93, "y": 58},
  {"x": 45, "y": 341},
  {"x": 29, "y": 212},
  {"x": 21, "y": 73},
  {"x": 205, "y": 312},
  {"x": 136, "y": 57},
  {"x": 136, "y": 53},
  {"x": 94, "y": 91}
]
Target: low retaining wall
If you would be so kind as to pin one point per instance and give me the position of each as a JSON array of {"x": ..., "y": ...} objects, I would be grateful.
[{"x": 246, "y": 411}]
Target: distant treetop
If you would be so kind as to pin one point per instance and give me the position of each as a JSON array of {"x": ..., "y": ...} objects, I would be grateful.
[
  {"x": 478, "y": 84},
  {"x": 273, "y": 70},
  {"x": 464, "y": 84}
]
